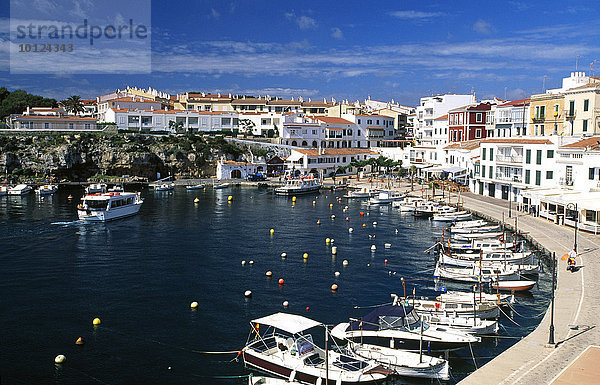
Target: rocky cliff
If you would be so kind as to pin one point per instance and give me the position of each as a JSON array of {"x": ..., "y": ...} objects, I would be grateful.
[{"x": 77, "y": 157}]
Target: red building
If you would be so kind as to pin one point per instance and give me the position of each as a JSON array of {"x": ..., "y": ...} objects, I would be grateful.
[{"x": 468, "y": 122}]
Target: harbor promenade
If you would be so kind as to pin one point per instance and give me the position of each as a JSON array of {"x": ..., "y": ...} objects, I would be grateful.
[{"x": 577, "y": 303}]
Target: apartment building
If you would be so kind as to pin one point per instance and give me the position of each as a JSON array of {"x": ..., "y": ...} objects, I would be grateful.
[
  {"x": 433, "y": 107},
  {"x": 511, "y": 118},
  {"x": 325, "y": 162},
  {"x": 468, "y": 122},
  {"x": 582, "y": 109}
]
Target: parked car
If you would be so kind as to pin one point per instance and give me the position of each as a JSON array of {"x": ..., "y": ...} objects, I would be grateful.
[{"x": 256, "y": 177}]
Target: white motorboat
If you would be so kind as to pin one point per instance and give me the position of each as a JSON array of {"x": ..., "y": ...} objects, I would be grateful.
[
  {"x": 116, "y": 188},
  {"x": 469, "y": 297},
  {"x": 484, "y": 310},
  {"x": 4, "y": 189},
  {"x": 294, "y": 355},
  {"x": 485, "y": 274},
  {"x": 452, "y": 216},
  {"x": 20, "y": 189},
  {"x": 481, "y": 245},
  {"x": 298, "y": 186},
  {"x": 95, "y": 188},
  {"x": 164, "y": 187},
  {"x": 468, "y": 260},
  {"x": 195, "y": 187},
  {"x": 400, "y": 327},
  {"x": 408, "y": 204},
  {"x": 108, "y": 206},
  {"x": 475, "y": 229},
  {"x": 521, "y": 285},
  {"x": 402, "y": 362},
  {"x": 385, "y": 197},
  {"x": 364, "y": 192},
  {"x": 469, "y": 236},
  {"x": 470, "y": 325},
  {"x": 469, "y": 224},
  {"x": 46, "y": 189},
  {"x": 221, "y": 186}
]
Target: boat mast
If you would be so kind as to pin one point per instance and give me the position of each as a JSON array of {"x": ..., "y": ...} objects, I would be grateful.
[{"x": 326, "y": 356}]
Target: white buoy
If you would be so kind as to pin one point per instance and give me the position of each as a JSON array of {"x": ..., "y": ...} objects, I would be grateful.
[
  {"x": 373, "y": 247},
  {"x": 251, "y": 263},
  {"x": 194, "y": 305},
  {"x": 269, "y": 273},
  {"x": 387, "y": 245},
  {"x": 283, "y": 255},
  {"x": 350, "y": 230},
  {"x": 60, "y": 359},
  {"x": 345, "y": 263},
  {"x": 337, "y": 273},
  {"x": 332, "y": 216},
  {"x": 396, "y": 231},
  {"x": 248, "y": 293},
  {"x": 286, "y": 304},
  {"x": 243, "y": 263},
  {"x": 374, "y": 224},
  {"x": 332, "y": 240},
  {"x": 334, "y": 250}
]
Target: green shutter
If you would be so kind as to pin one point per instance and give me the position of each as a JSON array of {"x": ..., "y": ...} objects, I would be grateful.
[
  {"x": 538, "y": 157},
  {"x": 527, "y": 176},
  {"x": 483, "y": 155},
  {"x": 491, "y": 154},
  {"x": 538, "y": 177},
  {"x": 528, "y": 156}
]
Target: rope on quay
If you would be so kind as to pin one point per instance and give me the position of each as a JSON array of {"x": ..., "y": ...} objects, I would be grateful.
[
  {"x": 514, "y": 311},
  {"x": 371, "y": 306},
  {"x": 473, "y": 355},
  {"x": 510, "y": 319},
  {"x": 503, "y": 337},
  {"x": 172, "y": 346}
]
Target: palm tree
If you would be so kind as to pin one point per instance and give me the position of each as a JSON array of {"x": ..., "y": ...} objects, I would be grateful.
[{"x": 73, "y": 104}]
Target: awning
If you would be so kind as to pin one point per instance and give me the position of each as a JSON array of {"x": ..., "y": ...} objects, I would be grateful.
[
  {"x": 290, "y": 323},
  {"x": 454, "y": 170}
]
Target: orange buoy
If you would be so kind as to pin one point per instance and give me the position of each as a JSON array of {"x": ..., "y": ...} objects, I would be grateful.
[
  {"x": 79, "y": 341},
  {"x": 364, "y": 225},
  {"x": 334, "y": 287},
  {"x": 281, "y": 281},
  {"x": 307, "y": 308},
  {"x": 362, "y": 214}
]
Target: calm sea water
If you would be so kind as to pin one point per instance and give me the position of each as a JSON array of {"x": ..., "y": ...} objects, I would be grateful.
[{"x": 139, "y": 276}]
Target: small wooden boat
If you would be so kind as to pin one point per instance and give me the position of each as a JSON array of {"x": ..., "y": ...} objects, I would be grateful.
[
  {"x": 513, "y": 285},
  {"x": 195, "y": 187},
  {"x": 165, "y": 187},
  {"x": 221, "y": 186},
  {"x": 46, "y": 189}
]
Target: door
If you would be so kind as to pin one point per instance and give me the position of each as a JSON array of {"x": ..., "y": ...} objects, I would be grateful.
[
  {"x": 505, "y": 190},
  {"x": 492, "y": 189}
]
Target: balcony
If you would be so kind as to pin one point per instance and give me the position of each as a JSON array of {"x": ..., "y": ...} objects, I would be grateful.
[
  {"x": 570, "y": 114},
  {"x": 509, "y": 178},
  {"x": 509, "y": 159},
  {"x": 539, "y": 118}
]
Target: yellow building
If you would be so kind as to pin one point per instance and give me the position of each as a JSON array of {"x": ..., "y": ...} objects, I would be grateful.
[
  {"x": 582, "y": 109},
  {"x": 547, "y": 114}
]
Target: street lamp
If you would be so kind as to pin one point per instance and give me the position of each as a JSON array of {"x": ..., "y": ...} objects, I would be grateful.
[
  {"x": 551, "y": 336},
  {"x": 510, "y": 188},
  {"x": 572, "y": 206}
]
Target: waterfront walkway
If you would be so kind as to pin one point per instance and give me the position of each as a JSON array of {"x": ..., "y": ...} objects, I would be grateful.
[{"x": 577, "y": 303}]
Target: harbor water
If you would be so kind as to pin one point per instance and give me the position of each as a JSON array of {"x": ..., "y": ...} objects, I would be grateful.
[{"x": 139, "y": 275}]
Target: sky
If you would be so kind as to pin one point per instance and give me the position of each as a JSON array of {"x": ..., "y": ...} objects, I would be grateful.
[{"x": 400, "y": 50}]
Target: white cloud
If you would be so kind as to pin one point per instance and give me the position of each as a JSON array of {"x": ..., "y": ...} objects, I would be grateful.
[
  {"x": 415, "y": 15},
  {"x": 483, "y": 27},
  {"x": 337, "y": 33},
  {"x": 214, "y": 14},
  {"x": 303, "y": 22}
]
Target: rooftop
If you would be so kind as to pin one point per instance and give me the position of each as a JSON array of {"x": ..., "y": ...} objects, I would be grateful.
[{"x": 593, "y": 143}]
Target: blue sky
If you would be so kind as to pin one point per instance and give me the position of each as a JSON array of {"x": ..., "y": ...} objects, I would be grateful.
[{"x": 399, "y": 50}]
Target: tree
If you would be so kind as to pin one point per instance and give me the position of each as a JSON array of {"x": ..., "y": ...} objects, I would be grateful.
[
  {"x": 17, "y": 101},
  {"x": 246, "y": 125},
  {"x": 175, "y": 126},
  {"x": 73, "y": 104}
]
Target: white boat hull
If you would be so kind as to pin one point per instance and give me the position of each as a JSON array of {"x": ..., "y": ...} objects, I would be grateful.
[{"x": 110, "y": 214}]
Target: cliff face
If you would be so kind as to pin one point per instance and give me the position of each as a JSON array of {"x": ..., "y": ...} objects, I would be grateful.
[{"x": 77, "y": 157}]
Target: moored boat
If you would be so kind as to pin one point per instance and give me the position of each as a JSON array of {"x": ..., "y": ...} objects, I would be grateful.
[
  {"x": 299, "y": 185},
  {"x": 46, "y": 189},
  {"x": 520, "y": 285},
  {"x": 286, "y": 349},
  {"x": 452, "y": 216},
  {"x": 4, "y": 189},
  {"x": 195, "y": 187},
  {"x": 108, "y": 206},
  {"x": 20, "y": 189},
  {"x": 95, "y": 188},
  {"x": 164, "y": 187}
]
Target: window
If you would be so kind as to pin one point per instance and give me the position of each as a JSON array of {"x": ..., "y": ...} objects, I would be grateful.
[
  {"x": 491, "y": 154},
  {"x": 538, "y": 177},
  {"x": 550, "y": 154},
  {"x": 585, "y": 125},
  {"x": 71, "y": 125},
  {"x": 369, "y": 121},
  {"x": 491, "y": 172},
  {"x": 46, "y": 125},
  {"x": 572, "y": 108},
  {"x": 538, "y": 159},
  {"x": 87, "y": 126},
  {"x": 479, "y": 117},
  {"x": 478, "y": 133},
  {"x": 483, "y": 154},
  {"x": 527, "y": 176},
  {"x": 549, "y": 174},
  {"x": 528, "y": 156},
  {"x": 122, "y": 119},
  {"x": 586, "y": 104},
  {"x": 358, "y": 121},
  {"x": 483, "y": 170},
  {"x": 592, "y": 173}
]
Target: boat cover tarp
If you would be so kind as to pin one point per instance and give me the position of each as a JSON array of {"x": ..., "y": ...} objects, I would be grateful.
[
  {"x": 290, "y": 323},
  {"x": 372, "y": 320}
]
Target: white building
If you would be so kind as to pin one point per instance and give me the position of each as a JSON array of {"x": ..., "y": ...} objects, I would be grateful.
[
  {"x": 228, "y": 169},
  {"x": 511, "y": 118},
  {"x": 183, "y": 121},
  {"x": 373, "y": 129},
  {"x": 463, "y": 159},
  {"x": 325, "y": 162},
  {"x": 129, "y": 102},
  {"x": 432, "y": 107}
]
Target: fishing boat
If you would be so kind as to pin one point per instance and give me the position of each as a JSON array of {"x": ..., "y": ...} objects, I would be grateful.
[
  {"x": 46, "y": 189},
  {"x": 195, "y": 187},
  {"x": 385, "y": 197},
  {"x": 467, "y": 260},
  {"x": 108, "y": 206},
  {"x": 521, "y": 285},
  {"x": 364, "y": 192},
  {"x": 475, "y": 229},
  {"x": 164, "y": 187},
  {"x": 20, "y": 189},
  {"x": 400, "y": 327},
  {"x": 299, "y": 185},
  {"x": 485, "y": 274},
  {"x": 452, "y": 216},
  {"x": 402, "y": 362},
  {"x": 286, "y": 349},
  {"x": 484, "y": 310},
  {"x": 95, "y": 188},
  {"x": 471, "y": 325},
  {"x": 498, "y": 299}
]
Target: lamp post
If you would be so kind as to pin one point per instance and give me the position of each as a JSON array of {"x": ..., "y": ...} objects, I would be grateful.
[
  {"x": 551, "y": 336},
  {"x": 510, "y": 191},
  {"x": 572, "y": 206}
]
